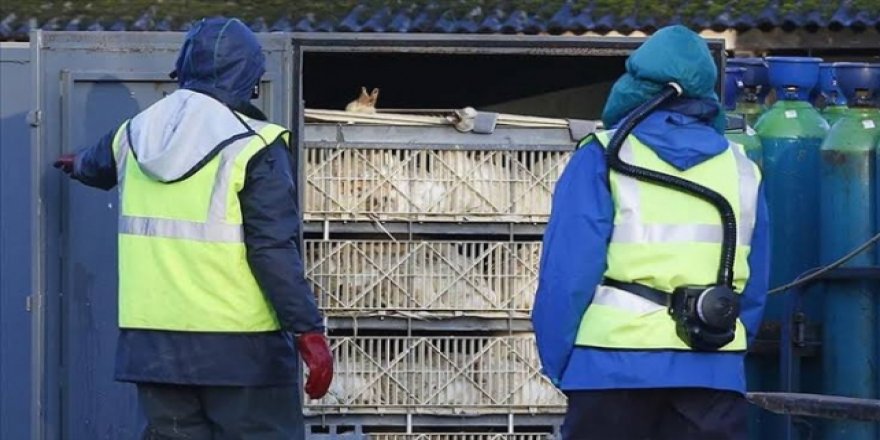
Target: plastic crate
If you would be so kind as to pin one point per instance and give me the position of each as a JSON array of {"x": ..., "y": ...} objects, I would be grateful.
[
  {"x": 430, "y": 185},
  {"x": 437, "y": 375},
  {"x": 432, "y": 277}
]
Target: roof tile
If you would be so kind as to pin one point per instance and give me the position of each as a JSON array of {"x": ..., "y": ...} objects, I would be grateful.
[{"x": 445, "y": 16}]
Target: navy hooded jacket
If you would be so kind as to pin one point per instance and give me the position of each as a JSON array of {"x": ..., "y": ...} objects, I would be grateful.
[{"x": 222, "y": 59}]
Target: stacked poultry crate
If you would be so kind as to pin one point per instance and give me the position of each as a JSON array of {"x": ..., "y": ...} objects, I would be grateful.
[{"x": 422, "y": 245}]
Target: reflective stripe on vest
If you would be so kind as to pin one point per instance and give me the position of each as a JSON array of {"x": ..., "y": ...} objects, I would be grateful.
[
  {"x": 664, "y": 239},
  {"x": 182, "y": 258}
]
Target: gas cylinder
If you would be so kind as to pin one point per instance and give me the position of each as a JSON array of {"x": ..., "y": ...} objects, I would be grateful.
[
  {"x": 742, "y": 133},
  {"x": 847, "y": 220},
  {"x": 791, "y": 133},
  {"x": 833, "y": 103},
  {"x": 755, "y": 88},
  {"x": 876, "y": 66}
]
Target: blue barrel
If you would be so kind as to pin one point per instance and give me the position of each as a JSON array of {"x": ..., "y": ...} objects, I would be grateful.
[
  {"x": 847, "y": 220},
  {"x": 791, "y": 134},
  {"x": 828, "y": 94}
]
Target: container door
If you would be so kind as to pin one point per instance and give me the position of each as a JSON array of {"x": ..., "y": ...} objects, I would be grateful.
[
  {"x": 17, "y": 215},
  {"x": 90, "y": 83}
]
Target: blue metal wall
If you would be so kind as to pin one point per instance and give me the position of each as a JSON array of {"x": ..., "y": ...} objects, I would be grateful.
[{"x": 16, "y": 215}]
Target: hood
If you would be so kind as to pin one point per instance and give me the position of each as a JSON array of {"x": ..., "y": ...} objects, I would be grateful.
[
  {"x": 681, "y": 132},
  {"x": 221, "y": 57},
  {"x": 174, "y": 137},
  {"x": 673, "y": 54}
]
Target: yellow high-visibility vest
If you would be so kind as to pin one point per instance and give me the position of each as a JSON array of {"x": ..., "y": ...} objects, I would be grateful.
[
  {"x": 666, "y": 239},
  {"x": 182, "y": 256}
]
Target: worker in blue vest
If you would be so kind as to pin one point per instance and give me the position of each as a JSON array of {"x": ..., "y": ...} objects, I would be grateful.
[
  {"x": 630, "y": 322},
  {"x": 213, "y": 300}
]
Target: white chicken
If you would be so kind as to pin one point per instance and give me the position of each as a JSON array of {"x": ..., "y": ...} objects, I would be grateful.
[
  {"x": 321, "y": 195},
  {"x": 427, "y": 193},
  {"x": 367, "y": 275},
  {"x": 357, "y": 379},
  {"x": 442, "y": 373},
  {"x": 525, "y": 262},
  {"x": 479, "y": 182},
  {"x": 511, "y": 372},
  {"x": 444, "y": 279}
]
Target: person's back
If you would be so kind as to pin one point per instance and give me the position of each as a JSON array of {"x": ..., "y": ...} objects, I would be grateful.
[
  {"x": 620, "y": 251},
  {"x": 211, "y": 283}
]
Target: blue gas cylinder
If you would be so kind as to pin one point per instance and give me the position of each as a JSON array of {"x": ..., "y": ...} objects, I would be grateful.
[
  {"x": 791, "y": 133},
  {"x": 847, "y": 220}
]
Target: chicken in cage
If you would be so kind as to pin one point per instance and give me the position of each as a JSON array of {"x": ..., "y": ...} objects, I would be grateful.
[
  {"x": 535, "y": 176},
  {"x": 389, "y": 185},
  {"x": 439, "y": 374},
  {"x": 445, "y": 279}
]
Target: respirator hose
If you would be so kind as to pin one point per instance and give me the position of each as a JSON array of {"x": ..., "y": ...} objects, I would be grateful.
[{"x": 728, "y": 217}]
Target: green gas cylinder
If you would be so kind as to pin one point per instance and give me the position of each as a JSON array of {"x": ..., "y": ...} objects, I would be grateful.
[
  {"x": 754, "y": 87},
  {"x": 847, "y": 221},
  {"x": 833, "y": 113},
  {"x": 829, "y": 93},
  {"x": 748, "y": 138},
  {"x": 791, "y": 133},
  {"x": 738, "y": 129},
  {"x": 751, "y": 111}
]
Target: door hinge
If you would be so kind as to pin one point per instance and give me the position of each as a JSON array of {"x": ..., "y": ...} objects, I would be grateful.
[{"x": 35, "y": 117}]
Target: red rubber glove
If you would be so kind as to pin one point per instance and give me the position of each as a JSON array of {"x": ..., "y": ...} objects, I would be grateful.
[
  {"x": 315, "y": 352},
  {"x": 65, "y": 163}
]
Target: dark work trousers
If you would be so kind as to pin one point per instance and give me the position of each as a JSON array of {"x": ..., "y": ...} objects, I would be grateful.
[
  {"x": 221, "y": 413},
  {"x": 655, "y": 414}
]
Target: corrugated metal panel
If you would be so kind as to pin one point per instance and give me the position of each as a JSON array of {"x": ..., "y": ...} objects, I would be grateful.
[
  {"x": 509, "y": 17},
  {"x": 16, "y": 238}
]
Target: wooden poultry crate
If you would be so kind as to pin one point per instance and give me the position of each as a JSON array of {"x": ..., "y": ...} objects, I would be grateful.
[
  {"x": 484, "y": 278},
  {"x": 448, "y": 375}
]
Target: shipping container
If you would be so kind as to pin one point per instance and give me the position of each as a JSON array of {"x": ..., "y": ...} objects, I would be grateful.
[{"x": 59, "y": 248}]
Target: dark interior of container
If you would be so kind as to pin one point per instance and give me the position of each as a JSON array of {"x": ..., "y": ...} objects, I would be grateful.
[{"x": 551, "y": 86}]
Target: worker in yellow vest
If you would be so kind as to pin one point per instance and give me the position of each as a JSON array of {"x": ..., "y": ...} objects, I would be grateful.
[
  {"x": 654, "y": 270},
  {"x": 213, "y": 300}
]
